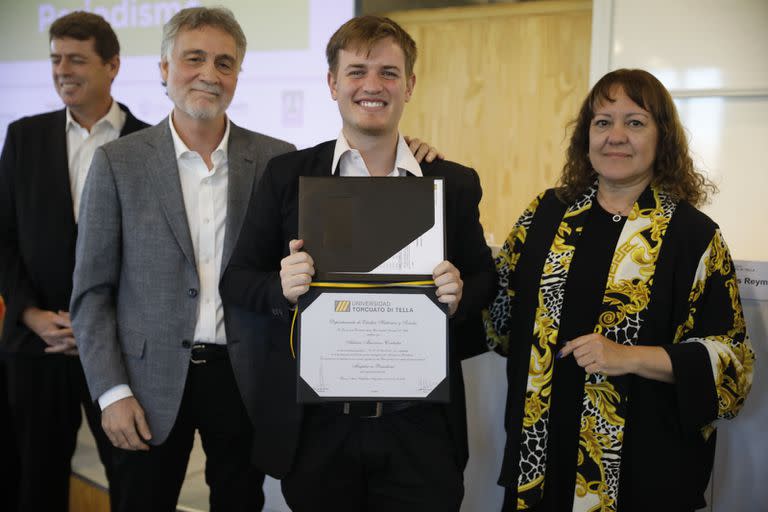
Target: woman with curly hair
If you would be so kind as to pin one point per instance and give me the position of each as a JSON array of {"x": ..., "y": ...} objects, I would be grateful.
[{"x": 619, "y": 312}]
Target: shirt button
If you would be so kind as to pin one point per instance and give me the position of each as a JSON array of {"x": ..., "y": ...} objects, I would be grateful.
[
  {"x": 192, "y": 292},
  {"x": 186, "y": 343},
  {"x": 205, "y": 221}
]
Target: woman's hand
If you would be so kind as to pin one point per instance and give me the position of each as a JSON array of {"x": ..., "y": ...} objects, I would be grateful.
[{"x": 597, "y": 354}]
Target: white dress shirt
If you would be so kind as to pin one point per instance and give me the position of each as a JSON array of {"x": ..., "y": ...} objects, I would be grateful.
[
  {"x": 351, "y": 164},
  {"x": 205, "y": 201},
  {"x": 82, "y": 144}
]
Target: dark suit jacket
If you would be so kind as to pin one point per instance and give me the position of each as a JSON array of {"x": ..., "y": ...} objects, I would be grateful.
[
  {"x": 37, "y": 223},
  {"x": 252, "y": 282}
]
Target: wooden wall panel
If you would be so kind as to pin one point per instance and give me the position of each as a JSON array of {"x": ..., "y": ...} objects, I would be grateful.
[
  {"x": 496, "y": 86},
  {"x": 87, "y": 496}
]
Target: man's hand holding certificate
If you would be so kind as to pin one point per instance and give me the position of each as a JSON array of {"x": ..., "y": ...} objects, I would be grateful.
[
  {"x": 298, "y": 268},
  {"x": 449, "y": 285},
  {"x": 296, "y": 271}
]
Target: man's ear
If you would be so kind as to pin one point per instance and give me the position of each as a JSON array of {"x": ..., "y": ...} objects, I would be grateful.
[
  {"x": 410, "y": 83},
  {"x": 163, "y": 66},
  {"x": 332, "y": 84},
  {"x": 114, "y": 66}
]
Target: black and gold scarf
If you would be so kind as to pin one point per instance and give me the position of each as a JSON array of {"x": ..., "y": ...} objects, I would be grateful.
[{"x": 625, "y": 299}]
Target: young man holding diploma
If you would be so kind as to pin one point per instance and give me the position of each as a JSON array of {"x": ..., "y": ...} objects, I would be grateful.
[{"x": 402, "y": 455}]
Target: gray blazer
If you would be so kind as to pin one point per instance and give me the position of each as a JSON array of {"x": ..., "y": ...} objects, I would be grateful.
[{"x": 134, "y": 301}]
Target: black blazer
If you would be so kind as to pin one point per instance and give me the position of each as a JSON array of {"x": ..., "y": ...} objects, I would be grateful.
[
  {"x": 252, "y": 282},
  {"x": 37, "y": 223}
]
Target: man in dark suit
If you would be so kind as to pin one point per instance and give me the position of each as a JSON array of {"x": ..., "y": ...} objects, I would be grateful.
[
  {"x": 162, "y": 210},
  {"x": 42, "y": 170},
  {"x": 396, "y": 456}
]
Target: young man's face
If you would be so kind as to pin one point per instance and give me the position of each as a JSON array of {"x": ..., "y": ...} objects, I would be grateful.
[
  {"x": 371, "y": 90},
  {"x": 81, "y": 78},
  {"x": 202, "y": 72}
]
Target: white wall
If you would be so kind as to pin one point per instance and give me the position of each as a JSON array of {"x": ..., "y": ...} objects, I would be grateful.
[{"x": 713, "y": 57}]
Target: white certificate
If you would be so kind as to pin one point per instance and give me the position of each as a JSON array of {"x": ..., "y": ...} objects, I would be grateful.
[{"x": 373, "y": 346}]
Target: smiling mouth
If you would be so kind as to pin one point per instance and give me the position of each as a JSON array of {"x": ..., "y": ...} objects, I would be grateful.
[
  {"x": 209, "y": 93},
  {"x": 373, "y": 104}
]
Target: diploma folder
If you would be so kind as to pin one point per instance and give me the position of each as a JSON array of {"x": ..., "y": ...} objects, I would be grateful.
[
  {"x": 356, "y": 229},
  {"x": 351, "y": 226}
]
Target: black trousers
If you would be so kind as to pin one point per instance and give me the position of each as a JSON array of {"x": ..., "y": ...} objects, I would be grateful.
[
  {"x": 44, "y": 396},
  {"x": 402, "y": 461},
  {"x": 9, "y": 462},
  {"x": 152, "y": 480}
]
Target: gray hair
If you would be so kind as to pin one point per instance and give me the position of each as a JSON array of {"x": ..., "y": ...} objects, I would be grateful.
[{"x": 199, "y": 17}]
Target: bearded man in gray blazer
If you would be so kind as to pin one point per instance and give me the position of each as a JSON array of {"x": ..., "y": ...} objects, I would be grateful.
[{"x": 162, "y": 210}]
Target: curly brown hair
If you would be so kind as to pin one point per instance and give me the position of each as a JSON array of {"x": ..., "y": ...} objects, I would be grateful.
[{"x": 673, "y": 170}]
